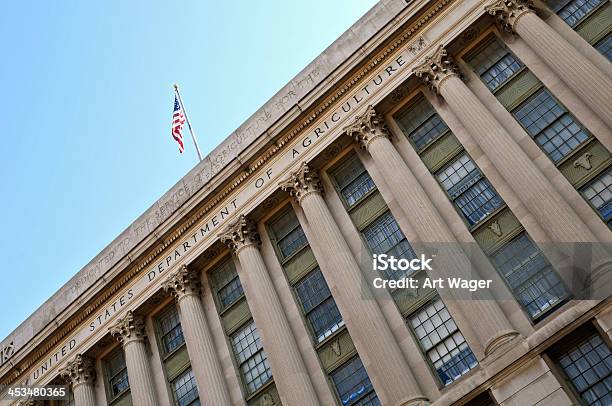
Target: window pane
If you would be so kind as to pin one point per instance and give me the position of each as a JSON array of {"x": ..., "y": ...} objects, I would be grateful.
[
  {"x": 170, "y": 330},
  {"x": 495, "y": 64},
  {"x": 185, "y": 389},
  {"x": 442, "y": 341},
  {"x": 384, "y": 236},
  {"x": 117, "y": 373},
  {"x": 604, "y": 46},
  {"x": 573, "y": 11},
  {"x": 353, "y": 384},
  {"x": 553, "y": 128},
  {"x": 421, "y": 123},
  {"x": 588, "y": 365},
  {"x": 530, "y": 276},
  {"x": 249, "y": 353},
  {"x": 353, "y": 180},
  {"x": 469, "y": 190},
  {"x": 319, "y": 305},
  {"x": 227, "y": 283},
  {"x": 288, "y": 233},
  {"x": 599, "y": 193}
]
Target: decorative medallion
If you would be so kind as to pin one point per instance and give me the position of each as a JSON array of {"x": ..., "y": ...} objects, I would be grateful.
[
  {"x": 495, "y": 228},
  {"x": 584, "y": 161}
]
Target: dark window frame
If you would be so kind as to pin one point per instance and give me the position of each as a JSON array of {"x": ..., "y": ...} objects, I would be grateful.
[
  {"x": 365, "y": 395},
  {"x": 159, "y": 330},
  {"x": 109, "y": 375},
  {"x": 425, "y": 353},
  {"x": 456, "y": 157}
]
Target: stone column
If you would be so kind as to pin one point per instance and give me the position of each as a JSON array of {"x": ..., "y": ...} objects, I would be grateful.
[
  {"x": 129, "y": 331},
  {"x": 184, "y": 285},
  {"x": 290, "y": 373},
  {"x": 584, "y": 78},
  {"x": 81, "y": 374},
  {"x": 534, "y": 190},
  {"x": 371, "y": 132},
  {"x": 373, "y": 338}
]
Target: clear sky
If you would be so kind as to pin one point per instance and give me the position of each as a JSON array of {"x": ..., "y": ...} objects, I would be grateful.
[{"x": 85, "y": 144}]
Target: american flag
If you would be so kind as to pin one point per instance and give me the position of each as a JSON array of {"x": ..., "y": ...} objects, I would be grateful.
[{"x": 178, "y": 119}]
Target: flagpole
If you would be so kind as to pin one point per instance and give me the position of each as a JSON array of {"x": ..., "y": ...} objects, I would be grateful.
[{"x": 193, "y": 136}]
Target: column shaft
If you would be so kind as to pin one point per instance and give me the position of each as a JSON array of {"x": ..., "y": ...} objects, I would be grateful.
[
  {"x": 386, "y": 366},
  {"x": 84, "y": 394},
  {"x": 584, "y": 78},
  {"x": 290, "y": 373},
  {"x": 451, "y": 260},
  {"x": 532, "y": 187},
  {"x": 139, "y": 373},
  {"x": 184, "y": 285},
  {"x": 204, "y": 361}
]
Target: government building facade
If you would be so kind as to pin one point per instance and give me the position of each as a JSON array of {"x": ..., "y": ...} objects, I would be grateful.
[{"x": 476, "y": 133}]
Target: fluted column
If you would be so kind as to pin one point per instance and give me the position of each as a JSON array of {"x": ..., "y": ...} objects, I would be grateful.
[
  {"x": 371, "y": 132},
  {"x": 184, "y": 285},
  {"x": 81, "y": 374},
  {"x": 534, "y": 190},
  {"x": 129, "y": 331},
  {"x": 384, "y": 362},
  {"x": 584, "y": 78},
  {"x": 290, "y": 373}
]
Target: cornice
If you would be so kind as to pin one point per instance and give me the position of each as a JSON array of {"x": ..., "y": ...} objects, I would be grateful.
[{"x": 389, "y": 48}]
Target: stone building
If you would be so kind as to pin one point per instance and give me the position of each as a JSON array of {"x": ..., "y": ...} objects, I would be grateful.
[{"x": 482, "y": 125}]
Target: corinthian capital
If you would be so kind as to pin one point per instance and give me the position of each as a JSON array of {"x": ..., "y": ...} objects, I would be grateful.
[
  {"x": 128, "y": 328},
  {"x": 436, "y": 68},
  {"x": 302, "y": 182},
  {"x": 240, "y": 233},
  {"x": 80, "y": 370},
  {"x": 183, "y": 281},
  {"x": 508, "y": 12},
  {"x": 367, "y": 127}
]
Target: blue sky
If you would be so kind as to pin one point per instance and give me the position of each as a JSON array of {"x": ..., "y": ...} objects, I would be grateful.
[{"x": 86, "y": 146}]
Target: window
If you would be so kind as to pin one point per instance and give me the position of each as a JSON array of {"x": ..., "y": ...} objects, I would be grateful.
[
  {"x": 353, "y": 385},
  {"x": 116, "y": 374},
  {"x": 318, "y": 305},
  {"x": 550, "y": 124},
  {"x": 599, "y": 194},
  {"x": 470, "y": 191},
  {"x": 495, "y": 64},
  {"x": 185, "y": 389},
  {"x": 421, "y": 124},
  {"x": 353, "y": 181},
  {"x": 171, "y": 333},
  {"x": 251, "y": 357},
  {"x": 588, "y": 365},
  {"x": 442, "y": 341},
  {"x": 573, "y": 11},
  {"x": 530, "y": 276},
  {"x": 288, "y": 234},
  {"x": 384, "y": 236},
  {"x": 227, "y": 284},
  {"x": 604, "y": 46}
]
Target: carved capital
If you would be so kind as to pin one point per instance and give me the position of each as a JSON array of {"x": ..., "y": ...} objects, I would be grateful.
[
  {"x": 128, "y": 328},
  {"x": 508, "y": 12},
  {"x": 80, "y": 370},
  {"x": 367, "y": 127},
  {"x": 436, "y": 68},
  {"x": 302, "y": 182},
  {"x": 182, "y": 282},
  {"x": 240, "y": 233}
]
